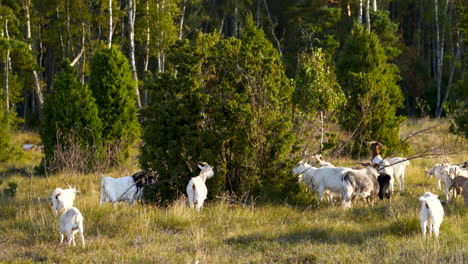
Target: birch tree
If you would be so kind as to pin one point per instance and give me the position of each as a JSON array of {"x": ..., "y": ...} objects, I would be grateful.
[{"x": 131, "y": 33}]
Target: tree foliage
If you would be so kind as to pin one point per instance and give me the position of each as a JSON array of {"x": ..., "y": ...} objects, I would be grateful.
[
  {"x": 70, "y": 120},
  {"x": 114, "y": 91},
  {"x": 371, "y": 85},
  {"x": 228, "y": 106}
]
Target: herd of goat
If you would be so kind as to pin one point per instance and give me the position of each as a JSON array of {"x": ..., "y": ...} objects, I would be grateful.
[{"x": 366, "y": 181}]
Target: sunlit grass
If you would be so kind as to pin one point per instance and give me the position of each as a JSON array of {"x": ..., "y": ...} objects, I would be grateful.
[{"x": 387, "y": 232}]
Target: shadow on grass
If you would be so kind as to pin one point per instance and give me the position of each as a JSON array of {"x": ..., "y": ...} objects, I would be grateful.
[{"x": 330, "y": 235}]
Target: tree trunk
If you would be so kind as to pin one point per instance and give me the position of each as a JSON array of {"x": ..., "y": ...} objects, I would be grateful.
[
  {"x": 321, "y": 130},
  {"x": 278, "y": 45},
  {"x": 360, "y": 13},
  {"x": 111, "y": 30},
  {"x": 440, "y": 40},
  {"x": 68, "y": 30},
  {"x": 6, "y": 77},
  {"x": 37, "y": 82},
  {"x": 236, "y": 19},
  {"x": 368, "y": 15},
  {"x": 374, "y": 5},
  {"x": 182, "y": 17},
  {"x": 131, "y": 33}
]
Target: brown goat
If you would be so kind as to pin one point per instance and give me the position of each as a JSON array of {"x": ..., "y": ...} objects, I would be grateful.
[
  {"x": 458, "y": 183},
  {"x": 465, "y": 192}
]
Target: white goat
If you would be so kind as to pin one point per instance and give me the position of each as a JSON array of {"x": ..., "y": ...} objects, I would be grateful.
[
  {"x": 432, "y": 214},
  {"x": 118, "y": 189},
  {"x": 323, "y": 179},
  {"x": 438, "y": 171},
  {"x": 397, "y": 164},
  {"x": 196, "y": 188},
  {"x": 70, "y": 223},
  {"x": 317, "y": 158},
  {"x": 63, "y": 199}
]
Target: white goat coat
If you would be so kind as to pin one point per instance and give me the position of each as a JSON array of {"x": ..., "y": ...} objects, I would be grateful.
[
  {"x": 63, "y": 199},
  {"x": 323, "y": 179},
  {"x": 123, "y": 189},
  {"x": 196, "y": 188},
  {"x": 70, "y": 223},
  {"x": 439, "y": 171},
  {"x": 395, "y": 167},
  {"x": 432, "y": 214}
]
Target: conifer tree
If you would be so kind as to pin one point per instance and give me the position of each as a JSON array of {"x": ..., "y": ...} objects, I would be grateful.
[
  {"x": 70, "y": 121},
  {"x": 113, "y": 88},
  {"x": 371, "y": 85},
  {"x": 230, "y": 106}
]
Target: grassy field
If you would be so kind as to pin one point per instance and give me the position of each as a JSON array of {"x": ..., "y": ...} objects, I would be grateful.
[{"x": 227, "y": 233}]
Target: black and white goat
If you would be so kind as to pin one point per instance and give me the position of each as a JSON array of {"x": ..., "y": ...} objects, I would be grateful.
[
  {"x": 128, "y": 188},
  {"x": 394, "y": 167}
]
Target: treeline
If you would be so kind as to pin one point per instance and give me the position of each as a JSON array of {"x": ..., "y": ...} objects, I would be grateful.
[{"x": 245, "y": 85}]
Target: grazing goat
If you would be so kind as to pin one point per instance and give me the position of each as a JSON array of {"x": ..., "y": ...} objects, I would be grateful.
[
  {"x": 317, "y": 158},
  {"x": 432, "y": 214},
  {"x": 397, "y": 164},
  {"x": 196, "y": 188},
  {"x": 70, "y": 223},
  {"x": 361, "y": 183},
  {"x": 385, "y": 183},
  {"x": 439, "y": 172},
  {"x": 63, "y": 199},
  {"x": 450, "y": 174},
  {"x": 323, "y": 179},
  {"x": 128, "y": 188},
  {"x": 457, "y": 184},
  {"x": 465, "y": 192}
]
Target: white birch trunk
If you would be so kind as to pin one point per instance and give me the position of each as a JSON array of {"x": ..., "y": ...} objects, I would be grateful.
[
  {"x": 374, "y": 5},
  {"x": 37, "y": 83},
  {"x": 360, "y": 13},
  {"x": 236, "y": 19},
  {"x": 368, "y": 15},
  {"x": 182, "y": 17},
  {"x": 111, "y": 29},
  {"x": 131, "y": 33},
  {"x": 7, "y": 66}
]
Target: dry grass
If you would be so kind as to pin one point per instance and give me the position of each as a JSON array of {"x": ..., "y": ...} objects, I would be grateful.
[{"x": 226, "y": 233}]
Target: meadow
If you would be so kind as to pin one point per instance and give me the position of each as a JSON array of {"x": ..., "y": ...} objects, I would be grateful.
[{"x": 223, "y": 232}]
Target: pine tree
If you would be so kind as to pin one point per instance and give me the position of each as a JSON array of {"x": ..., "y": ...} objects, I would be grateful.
[
  {"x": 230, "y": 106},
  {"x": 113, "y": 88},
  {"x": 70, "y": 121},
  {"x": 371, "y": 85}
]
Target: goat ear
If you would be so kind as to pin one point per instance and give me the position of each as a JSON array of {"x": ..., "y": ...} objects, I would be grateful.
[{"x": 199, "y": 166}]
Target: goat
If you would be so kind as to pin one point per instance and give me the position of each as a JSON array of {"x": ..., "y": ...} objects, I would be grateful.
[
  {"x": 397, "y": 164},
  {"x": 457, "y": 184},
  {"x": 317, "y": 158},
  {"x": 128, "y": 188},
  {"x": 360, "y": 183},
  {"x": 70, "y": 223},
  {"x": 63, "y": 199},
  {"x": 196, "y": 188},
  {"x": 449, "y": 176},
  {"x": 432, "y": 214},
  {"x": 438, "y": 172},
  {"x": 322, "y": 179},
  {"x": 465, "y": 192},
  {"x": 385, "y": 183}
]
